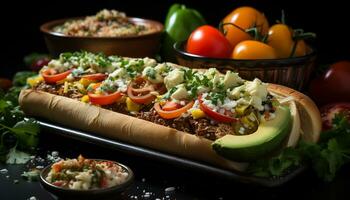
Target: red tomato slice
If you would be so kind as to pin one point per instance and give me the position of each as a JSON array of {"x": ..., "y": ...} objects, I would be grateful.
[
  {"x": 141, "y": 95},
  {"x": 58, "y": 183},
  {"x": 215, "y": 115},
  {"x": 104, "y": 99},
  {"x": 173, "y": 113},
  {"x": 103, "y": 182},
  {"x": 50, "y": 75},
  {"x": 170, "y": 105},
  {"x": 95, "y": 77}
]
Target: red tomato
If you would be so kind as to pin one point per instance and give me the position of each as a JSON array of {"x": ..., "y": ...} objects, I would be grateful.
[
  {"x": 329, "y": 111},
  {"x": 173, "y": 113},
  {"x": 215, "y": 115},
  {"x": 5, "y": 83},
  {"x": 210, "y": 42},
  {"x": 50, "y": 75},
  {"x": 333, "y": 86},
  {"x": 95, "y": 77},
  {"x": 104, "y": 99}
]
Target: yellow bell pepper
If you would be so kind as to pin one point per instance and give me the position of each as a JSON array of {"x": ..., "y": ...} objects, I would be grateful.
[
  {"x": 132, "y": 106},
  {"x": 197, "y": 113},
  {"x": 85, "y": 99},
  {"x": 86, "y": 82},
  {"x": 34, "y": 81}
]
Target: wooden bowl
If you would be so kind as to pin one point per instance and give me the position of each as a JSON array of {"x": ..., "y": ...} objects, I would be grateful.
[
  {"x": 145, "y": 45},
  {"x": 292, "y": 72}
]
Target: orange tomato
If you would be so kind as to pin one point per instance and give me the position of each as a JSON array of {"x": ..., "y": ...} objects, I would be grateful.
[
  {"x": 251, "y": 49},
  {"x": 280, "y": 37},
  {"x": 244, "y": 18}
]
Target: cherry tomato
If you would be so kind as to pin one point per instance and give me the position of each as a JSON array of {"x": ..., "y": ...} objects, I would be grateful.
[
  {"x": 51, "y": 77},
  {"x": 95, "y": 77},
  {"x": 208, "y": 41},
  {"x": 333, "y": 86},
  {"x": 281, "y": 39},
  {"x": 215, "y": 115},
  {"x": 173, "y": 113},
  {"x": 251, "y": 49},
  {"x": 5, "y": 83},
  {"x": 103, "y": 99},
  {"x": 141, "y": 95},
  {"x": 329, "y": 111},
  {"x": 244, "y": 18}
]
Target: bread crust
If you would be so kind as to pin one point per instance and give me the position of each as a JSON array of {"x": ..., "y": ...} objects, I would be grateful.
[
  {"x": 121, "y": 127},
  {"x": 311, "y": 122}
]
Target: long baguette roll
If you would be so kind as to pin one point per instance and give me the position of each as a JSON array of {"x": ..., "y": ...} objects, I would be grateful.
[
  {"x": 121, "y": 127},
  {"x": 129, "y": 129}
]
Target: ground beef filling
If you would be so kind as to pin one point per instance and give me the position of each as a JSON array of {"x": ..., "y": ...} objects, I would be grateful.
[
  {"x": 203, "y": 127},
  {"x": 72, "y": 93}
]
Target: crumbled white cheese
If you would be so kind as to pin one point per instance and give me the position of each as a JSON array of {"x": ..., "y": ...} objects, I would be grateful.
[
  {"x": 174, "y": 78},
  {"x": 235, "y": 93},
  {"x": 118, "y": 73},
  {"x": 257, "y": 88},
  {"x": 180, "y": 93},
  {"x": 232, "y": 79}
]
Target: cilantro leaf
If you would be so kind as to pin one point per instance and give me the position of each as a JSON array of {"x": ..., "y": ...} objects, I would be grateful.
[{"x": 325, "y": 157}]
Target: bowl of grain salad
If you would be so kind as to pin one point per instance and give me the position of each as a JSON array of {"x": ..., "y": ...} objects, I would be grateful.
[
  {"x": 86, "y": 178},
  {"x": 109, "y": 31}
]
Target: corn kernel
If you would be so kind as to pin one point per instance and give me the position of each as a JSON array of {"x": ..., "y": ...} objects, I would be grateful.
[
  {"x": 197, "y": 113},
  {"x": 132, "y": 106}
]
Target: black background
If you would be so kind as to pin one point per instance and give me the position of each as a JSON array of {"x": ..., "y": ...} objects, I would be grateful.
[{"x": 20, "y": 21}]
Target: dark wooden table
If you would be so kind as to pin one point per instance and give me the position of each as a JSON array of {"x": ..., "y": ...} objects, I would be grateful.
[{"x": 153, "y": 178}]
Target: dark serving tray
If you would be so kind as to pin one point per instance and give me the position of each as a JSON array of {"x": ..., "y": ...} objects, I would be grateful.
[{"x": 167, "y": 158}]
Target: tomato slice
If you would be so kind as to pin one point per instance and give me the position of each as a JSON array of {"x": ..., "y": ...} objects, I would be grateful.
[
  {"x": 104, "y": 99},
  {"x": 50, "y": 75},
  {"x": 215, "y": 115},
  {"x": 141, "y": 95},
  {"x": 58, "y": 183},
  {"x": 173, "y": 113},
  {"x": 95, "y": 77},
  {"x": 103, "y": 182},
  {"x": 170, "y": 105}
]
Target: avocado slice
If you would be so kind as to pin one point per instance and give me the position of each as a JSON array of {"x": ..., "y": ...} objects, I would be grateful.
[{"x": 269, "y": 136}]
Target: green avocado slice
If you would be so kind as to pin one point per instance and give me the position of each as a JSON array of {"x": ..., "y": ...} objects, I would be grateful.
[{"x": 268, "y": 137}]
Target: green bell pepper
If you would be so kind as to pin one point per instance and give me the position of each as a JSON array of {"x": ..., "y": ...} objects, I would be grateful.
[{"x": 179, "y": 24}]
